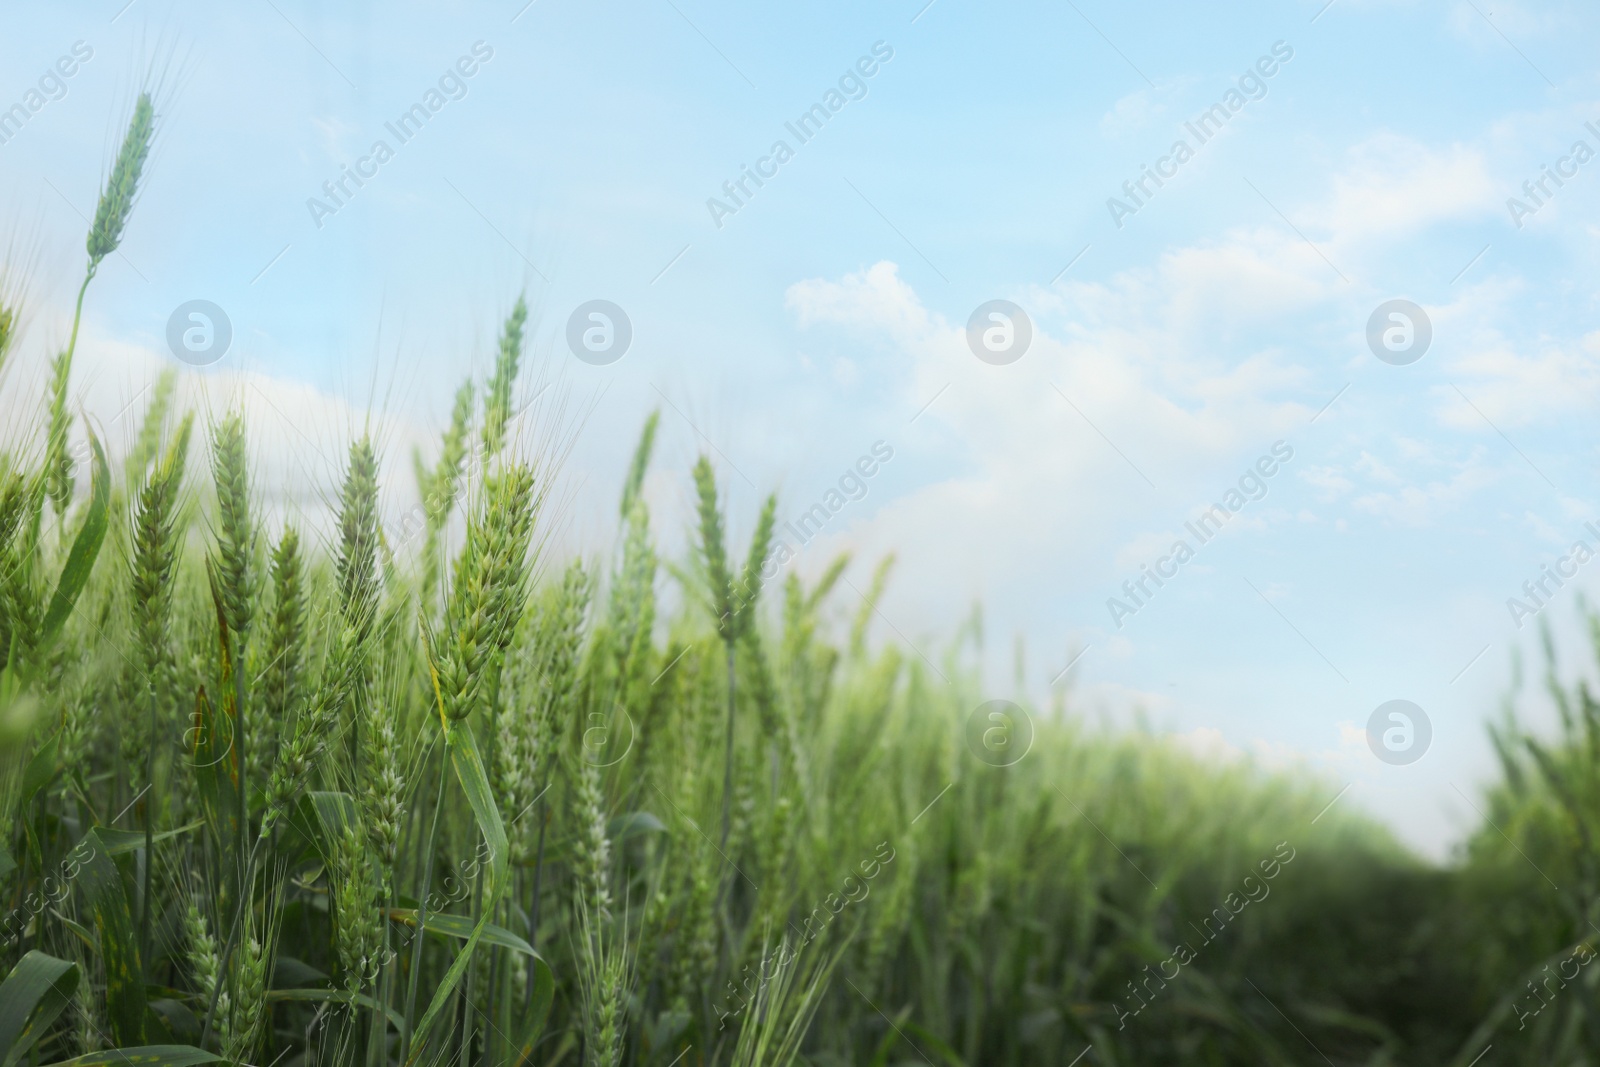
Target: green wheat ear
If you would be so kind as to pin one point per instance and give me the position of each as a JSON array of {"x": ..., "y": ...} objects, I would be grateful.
[
  {"x": 489, "y": 590},
  {"x": 236, "y": 537},
  {"x": 750, "y": 582},
  {"x": 358, "y": 537},
  {"x": 122, "y": 187},
  {"x": 497, "y": 401},
  {"x": 641, "y": 462},
  {"x": 8, "y": 331},
  {"x": 148, "y": 442},
  {"x": 713, "y": 547},
  {"x": 440, "y": 486}
]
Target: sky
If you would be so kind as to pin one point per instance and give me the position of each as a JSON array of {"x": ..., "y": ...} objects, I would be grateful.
[{"x": 913, "y": 162}]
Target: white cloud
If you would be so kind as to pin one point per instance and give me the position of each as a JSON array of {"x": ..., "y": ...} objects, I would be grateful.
[
  {"x": 1377, "y": 469},
  {"x": 1142, "y": 108},
  {"x": 1124, "y": 388},
  {"x": 876, "y": 298},
  {"x": 1425, "y": 504},
  {"x": 1329, "y": 481},
  {"x": 1544, "y": 530},
  {"x": 1394, "y": 186},
  {"x": 1516, "y": 382},
  {"x": 335, "y": 134},
  {"x": 1505, "y": 20},
  {"x": 1143, "y": 548}
]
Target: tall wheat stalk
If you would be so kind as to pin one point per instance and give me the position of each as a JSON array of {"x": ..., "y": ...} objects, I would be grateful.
[
  {"x": 155, "y": 555},
  {"x": 732, "y": 600},
  {"x": 105, "y": 237}
]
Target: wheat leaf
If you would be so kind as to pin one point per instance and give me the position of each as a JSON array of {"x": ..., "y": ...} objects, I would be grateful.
[
  {"x": 143, "y": 1056},
  {"x": 85, "y": 549},
  {"x": 468, "y": 764},
  {"x": 36, "y": 991},
  {"x": 119, "y": 949}
]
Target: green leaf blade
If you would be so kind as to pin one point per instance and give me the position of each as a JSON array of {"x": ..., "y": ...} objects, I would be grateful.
[
  {"x": 32, "y": 997},
  {"x": 85, "y": 550}
]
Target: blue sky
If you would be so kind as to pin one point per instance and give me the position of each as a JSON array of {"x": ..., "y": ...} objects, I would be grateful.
[{"x": 828, "y": 312}]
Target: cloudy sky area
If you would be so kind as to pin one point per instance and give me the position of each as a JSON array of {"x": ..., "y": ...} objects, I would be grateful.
[{"x": 828, "y": 312}]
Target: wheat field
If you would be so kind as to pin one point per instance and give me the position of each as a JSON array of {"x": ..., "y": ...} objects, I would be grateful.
[{"x": 278, "y": 798}]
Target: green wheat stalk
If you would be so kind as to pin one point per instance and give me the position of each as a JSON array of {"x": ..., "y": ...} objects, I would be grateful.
[
  {"x": 105, "y": 237},
  {"x": 732, "y": 601}
]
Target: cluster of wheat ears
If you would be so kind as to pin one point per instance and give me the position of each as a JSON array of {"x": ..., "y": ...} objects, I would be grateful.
[
  {"x": 362, "y": 789},
  {"x": 271, "y": 797}
]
